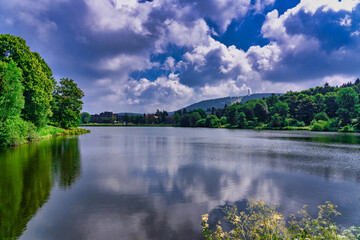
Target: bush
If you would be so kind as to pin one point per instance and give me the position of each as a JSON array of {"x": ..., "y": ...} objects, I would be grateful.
[
  {"x": 321, "y": 125},
  {"x": 321, "y": 116},
  {"x": 277, "y": 121},
  {"x": 295, "y": 123},
  {"x": 262, "y": 221},
  {"x": 347, "y": 128},
  {"x": 201, "y": 122},
  {"x": 17, "y": 131}
]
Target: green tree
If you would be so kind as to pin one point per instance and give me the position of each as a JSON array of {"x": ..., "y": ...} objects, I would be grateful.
[
  {"x": 201, "y": 112},
  {"x": 331, "y": 105},
  {"x": 347, "y": 99},
  {"x": 194, "y": 117},
  {"x": 37, "y": 78},
  {"x": 68, "y": 103},
  {"x": 11, "y": 91},
  {"x": 185, "y": 120},
  {"x": 280, "y": 108},
  {"x": 241, "y": 120},
  {"x": 261, "y": 111},
  {"x": 272, "y": 100},
  {"x": 321, "y": 116},
  {"x": 306, "y": 110},
  {"x": 232, "y": 114},
  {"x": 85, "y": 117},
  {"x": 277, "y": 121},
  {"x": 126, "y": 118}
]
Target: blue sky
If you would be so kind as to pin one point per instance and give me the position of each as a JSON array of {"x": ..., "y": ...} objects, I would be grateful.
[{"x": 139, "y": 56}]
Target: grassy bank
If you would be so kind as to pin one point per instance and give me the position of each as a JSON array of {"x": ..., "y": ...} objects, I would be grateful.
[
  {"x": 34, "y": 134},
  {"x": 50, "y": 131}
]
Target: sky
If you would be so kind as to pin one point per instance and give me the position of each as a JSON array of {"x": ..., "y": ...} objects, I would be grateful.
[{"x": 143, "y": 55}]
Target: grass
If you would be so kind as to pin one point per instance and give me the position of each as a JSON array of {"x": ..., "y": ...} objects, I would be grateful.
[{"x": 50, "y": 131}]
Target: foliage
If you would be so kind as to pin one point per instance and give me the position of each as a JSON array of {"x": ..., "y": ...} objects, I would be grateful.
[
  {"x": 321, "y": 116},
  {"x": 26, "y": 85},
  {"x": 37, "y": 80},
  {"x": 68, "y": 104},
  {"x": 85, "y": 117},
  {"x": 261, "y": 110},
  {"x": 262, "y": 221},
  {"x": 11, "y": 91}
]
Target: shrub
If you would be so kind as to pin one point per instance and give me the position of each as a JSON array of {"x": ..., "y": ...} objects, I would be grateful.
[
  {"x": 16, "y": 131},
  {"x": 262, "y": 221},
  {"x": 347, "y": 128},
  {"x": 321, "y": 116},
  {"x": 295, "y": 123},
  {"x": 277, "y": 121}
]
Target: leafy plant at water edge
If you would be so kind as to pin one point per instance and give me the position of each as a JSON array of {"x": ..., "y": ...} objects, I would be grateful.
[{"x": 262, "y": 221}]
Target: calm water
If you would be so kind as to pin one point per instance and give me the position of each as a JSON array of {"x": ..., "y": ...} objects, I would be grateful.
[{"x": 154, "y": 183}]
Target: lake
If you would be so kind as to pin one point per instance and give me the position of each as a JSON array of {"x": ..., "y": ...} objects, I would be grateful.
[{"x": 156, "y": 182}]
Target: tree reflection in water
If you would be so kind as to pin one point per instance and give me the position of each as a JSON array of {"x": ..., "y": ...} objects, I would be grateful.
[{"x": 27, "y": 175}]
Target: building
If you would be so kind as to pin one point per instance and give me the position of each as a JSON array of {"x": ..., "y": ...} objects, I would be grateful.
[{"x": 106, "y": 117}]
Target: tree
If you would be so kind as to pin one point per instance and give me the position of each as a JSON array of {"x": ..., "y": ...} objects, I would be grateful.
[
  {"x": 13, "y": 129},
  {"x": 347, "y": 99},
  {"x": 201, "y": 112},
  {"x": 11, "y": 91},
  {"x": 126, "y": 118},
  {"x": 37, "y": 78},
  {"x": 68, "y": 103},
  {"x": 232, "y": 114},
  {"x": 261, "y": 111},
  {"x": 272, "y": 100},
  {"x": 306, "y": 109},
  {"x": 321, "y": 116},
  {"x": 185, "y": 120},
  {"x": 194, "y": 117},
  {"x": 280, "y": 108},
  {"x": 85, "y": 117},
  {"x": 331, "y": 105},
  {"x": 241, "y": 120}
]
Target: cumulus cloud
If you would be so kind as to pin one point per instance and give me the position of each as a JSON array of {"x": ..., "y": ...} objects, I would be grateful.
[
  {"x": 311, "y": 41},
  {"x": 122, "y": 51}
]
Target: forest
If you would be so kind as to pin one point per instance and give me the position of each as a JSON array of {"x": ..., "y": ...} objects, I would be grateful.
[
  {"x": 326, "y": 108},
  {"x": 32, "y": 104}
]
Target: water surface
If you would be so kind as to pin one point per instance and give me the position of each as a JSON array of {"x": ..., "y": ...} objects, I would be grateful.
[{"x": 155, "y": 183}]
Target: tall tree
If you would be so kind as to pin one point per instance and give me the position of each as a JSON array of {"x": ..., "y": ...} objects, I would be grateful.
[
  {"x": 68, "y": 103},
  {"x": 37, "y": 78},
  {"x": 11, "y": 91},
  {"x": 347, "y": 99},
  {"x": 261, "y": 110}
]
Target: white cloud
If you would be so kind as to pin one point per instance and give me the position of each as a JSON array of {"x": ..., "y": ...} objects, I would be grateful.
[
  {"x": 223, "y": 89},
  {"x": 125, "y": 63},
  {"x": 117, "y": 15},
  {"x": 346, "y": 21}
]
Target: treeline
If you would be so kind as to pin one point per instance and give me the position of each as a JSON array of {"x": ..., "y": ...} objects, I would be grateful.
[
  {"x": 324, "y": 108},
  {"x": 30, "y": 98}
]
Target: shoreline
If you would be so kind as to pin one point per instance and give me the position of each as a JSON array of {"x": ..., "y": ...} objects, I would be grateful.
[
  {"x": 50, "y": 132},
  {"x": 287, "y": 128}
]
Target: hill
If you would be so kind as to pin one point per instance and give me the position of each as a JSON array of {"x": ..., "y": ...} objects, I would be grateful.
[{"x": 220, "y": 102}]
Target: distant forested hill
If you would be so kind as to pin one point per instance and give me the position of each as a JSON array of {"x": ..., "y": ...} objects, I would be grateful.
[{"x": 220, "y": 102}]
